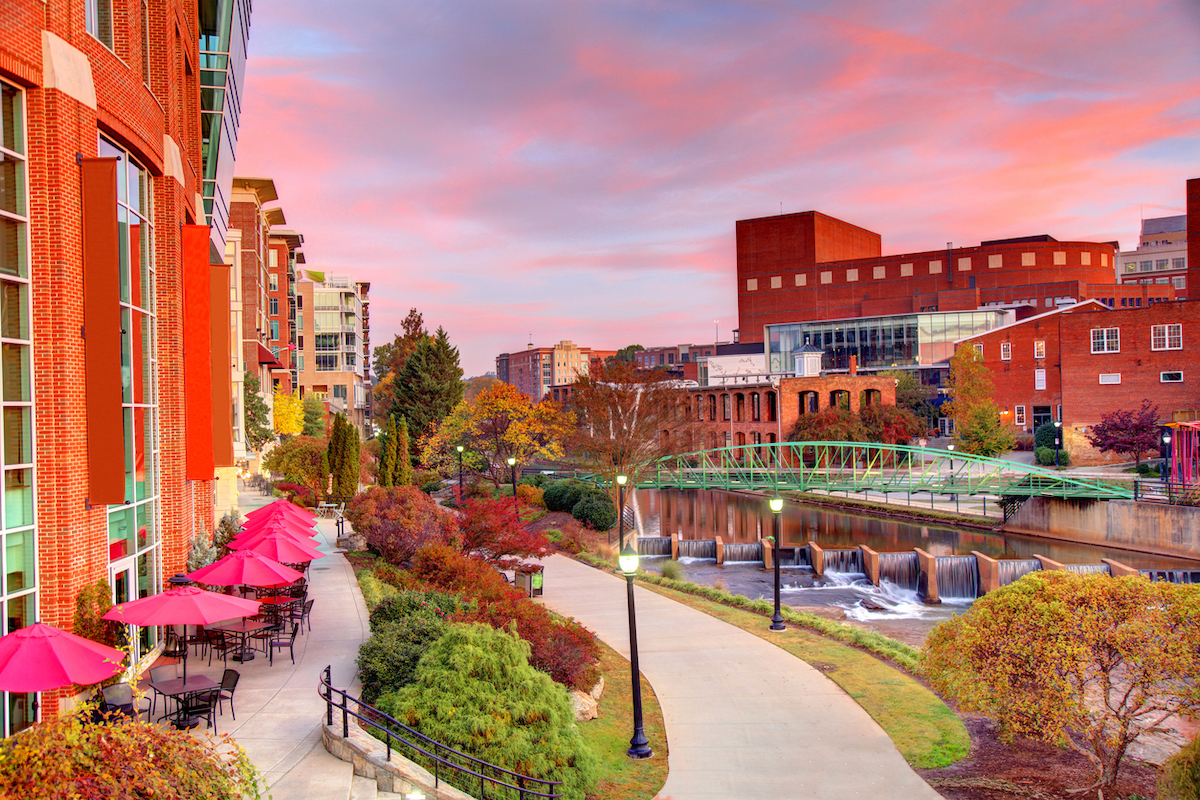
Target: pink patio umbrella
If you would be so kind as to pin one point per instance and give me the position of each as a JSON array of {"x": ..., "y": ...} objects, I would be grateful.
[
  {"x": 40, "y": 657},
  {"x": 285, "y": 523},
  {"x": 282, "y": 507},
  {"x": 185, "y": 605},
  {"x": 240, "y": 541},
  {"x": 245, "y": 568},
  {"x": 283, "y": 548}
]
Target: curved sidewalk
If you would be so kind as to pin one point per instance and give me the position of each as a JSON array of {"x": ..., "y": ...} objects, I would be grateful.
[{"x": 743, "y": 718}]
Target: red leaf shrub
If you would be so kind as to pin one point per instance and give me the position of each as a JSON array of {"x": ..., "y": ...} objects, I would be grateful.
[
  {"x": 489, "y": 528},
  {"x": 300, "y": 495},
  {"x": 397, "y": 521},
  {"x": 563, "y": 649}
]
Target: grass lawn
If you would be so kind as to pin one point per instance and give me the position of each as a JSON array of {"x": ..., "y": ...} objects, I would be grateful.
[
  {"x": 924, "y": 729},
  {"x": 625, "y": 778}
]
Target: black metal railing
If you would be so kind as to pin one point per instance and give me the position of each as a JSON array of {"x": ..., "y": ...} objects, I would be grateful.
[
  {"x": 1157, "y": 490},
  {"x": 464, "y": 770}
]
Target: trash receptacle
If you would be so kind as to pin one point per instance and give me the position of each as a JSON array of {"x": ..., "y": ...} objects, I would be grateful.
[{"x": 535, "y": 582}]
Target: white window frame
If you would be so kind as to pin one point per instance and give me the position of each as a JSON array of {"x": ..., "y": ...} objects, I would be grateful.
[
  {"x": 1168, "y": 336},
  {"x": 1110, "y": 379},
  {"x": 978, "y": 350},
  {"x": 1039, "y": 380},
  {"x": 1019, "y": 413},
  {"x": 1006, "y": 351},
  {"x": 1039, "y": 349},
  {"x": 1162, "y": 376},
  {"x": 92, "y": 13},
  {"x": 1109, "y": 338}
]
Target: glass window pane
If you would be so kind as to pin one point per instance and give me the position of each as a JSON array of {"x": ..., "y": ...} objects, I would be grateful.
[
  {"x": 18, "y": 561},
  {"x": 120, "y": 533},
  {"x": 13, "y": 253},
  {"x": 123, "y": 240},
  {"x": 129, "y": 452},
  {"x": 12, "y": 185},
  {"x": 18, "y": 613},
  {"x": 13, "y": 322},
  {"x": 12, "y": 115},
  {"x": 126, "y": 358},
  {"x": 17, "y": 440},
  {"x": 15, "y": 360},
  {"x": 140, "y": 441},
  {"x": 18, "y": 501}
]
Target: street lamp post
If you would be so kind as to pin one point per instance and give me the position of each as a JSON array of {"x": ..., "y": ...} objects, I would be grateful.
[
  {"x": 950, "y": 447},
  {"x": 512, "y": 471},
  {"x": 460, "y": 481},
  {"x": 776, "y": 508},
  {"x": 639, "y": 745},
  {"x": 1167, "y": 464},
  {"x": 1057, "y": 442},
  {"x": 621, "y": 479}
]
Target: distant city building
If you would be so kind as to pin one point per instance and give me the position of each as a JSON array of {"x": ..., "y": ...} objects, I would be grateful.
[
  {"x": 283, "y": 250},
  {"x": 1160, "y": 257},
  {"x": 535, "y": 370},
  {"x": 329, "y": 335}
]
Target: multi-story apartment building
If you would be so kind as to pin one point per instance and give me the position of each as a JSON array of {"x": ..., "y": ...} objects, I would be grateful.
[
  {"x": 283, "y": 249},
  {"x": 329, "y": 333},
  {"x": 107, "y": 285},
  {"x": 1160, "y": 257},
  {"x": 364, "y": 294},
  {"x": 535, "y": 369}
]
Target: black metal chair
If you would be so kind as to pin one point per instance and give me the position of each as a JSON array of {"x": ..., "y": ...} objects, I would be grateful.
[
  {"x": 202, "y": 705},
  {"x": 157, "y": 675},
  {"x": 229, "y": 682},
  {"x": 118, "y": 699},
  {"x": 300, "y": 614},
  {"x": 278, "y": 642},
  {"x": 219, "y": 642}
]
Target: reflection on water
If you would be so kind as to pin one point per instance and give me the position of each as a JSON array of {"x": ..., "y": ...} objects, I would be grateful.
[{"x": 708, "y": 513}]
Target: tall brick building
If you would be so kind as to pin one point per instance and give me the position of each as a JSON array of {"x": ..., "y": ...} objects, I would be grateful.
[{"x": 106, "y": 286}]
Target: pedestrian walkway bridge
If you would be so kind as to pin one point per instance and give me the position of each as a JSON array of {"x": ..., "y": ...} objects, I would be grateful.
[{"x": 869, "y": 467}]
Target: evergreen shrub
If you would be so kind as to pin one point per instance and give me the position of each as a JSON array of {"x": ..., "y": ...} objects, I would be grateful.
[
  {"x": 388, "y": 659},
  {"x": 408, "y": 604},
  {"x": 562, "y": 495},
  {"x": 1045, "y": 457},
  {"x": 476, "y": 692},
  {"x": 1180, "y": 776},
  {"x": 1044, "y": 435},
  {"x": 596, "y": 510}
]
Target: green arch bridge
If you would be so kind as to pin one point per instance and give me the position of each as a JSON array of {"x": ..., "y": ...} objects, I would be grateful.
[{"x": 862, "y": 467}]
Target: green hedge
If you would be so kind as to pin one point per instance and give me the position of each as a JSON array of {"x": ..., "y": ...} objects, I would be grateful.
[
  {"x": 1045, "y": 456},
  {"x": 596, "y": 510}
]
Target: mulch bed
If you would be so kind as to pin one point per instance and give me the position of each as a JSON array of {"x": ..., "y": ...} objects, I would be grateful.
[{"x": 1026, "y": 769}]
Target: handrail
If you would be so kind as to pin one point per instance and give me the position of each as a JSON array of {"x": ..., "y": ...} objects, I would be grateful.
[{"x": 394, "y": 729}]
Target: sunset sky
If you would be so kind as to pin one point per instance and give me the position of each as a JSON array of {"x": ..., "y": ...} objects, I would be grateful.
[{"x": 573, "y": 170}]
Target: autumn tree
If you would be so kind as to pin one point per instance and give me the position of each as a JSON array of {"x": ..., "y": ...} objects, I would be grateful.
[
  {"x": 829, "y": 425},
  {"x": 429, "y": 386},
  {"x": 491, "y": 529},
  {"x": 1086, "y": 661},
  {"x": 911, "y": 394},
  {"x": 499, "y": 423},
  {"x": 623, "y": 356},
  {"x": 475, "y": 386},
  {"x": 890, "y": 424},
  {"x": 300, "y": 460},
  {"x": 398, "y": 521},
  {"x": 981, "y": 432},
  {"x": 314, "y": 416},
  {"x": 289, "y": 414},
  {"x": 977, "y": 426},
  {"x": 389, "y": 360},
  {"x": 258, "y": 427},
  {"x": 627, "y": 419},
  {"x": 1127, "y": 432}
]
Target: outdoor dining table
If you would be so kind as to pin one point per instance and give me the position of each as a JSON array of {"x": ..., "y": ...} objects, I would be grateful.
[
  {"x": 177, "y": 689},
  {"x": 278, "y": 604},
  {"x": 242, "y": 629}
]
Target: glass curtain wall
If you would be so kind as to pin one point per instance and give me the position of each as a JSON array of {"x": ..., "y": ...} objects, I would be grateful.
[
  {"x": 133, "y": 534},
  {"x": 906, "y": 340},
  {"x": 18, "y": 555}
]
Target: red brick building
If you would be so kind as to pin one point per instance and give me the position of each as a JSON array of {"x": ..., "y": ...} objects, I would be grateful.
[
  {"x": 109, "y": 401},
  {"x": 810, "y": 266},
  {"x": 1076, "y": 364}
]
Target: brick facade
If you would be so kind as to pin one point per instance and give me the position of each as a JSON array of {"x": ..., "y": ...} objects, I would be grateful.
[
  {"x": 157, "y": 124},
  {"x": 809, "y": 266}
]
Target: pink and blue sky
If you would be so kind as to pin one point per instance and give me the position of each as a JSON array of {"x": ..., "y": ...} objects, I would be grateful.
[{"x": 573, "y": 170}]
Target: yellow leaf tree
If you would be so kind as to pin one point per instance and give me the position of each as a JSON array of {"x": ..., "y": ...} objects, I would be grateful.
[
  {"x": 499, "y": 423},
  {"x": 289, "y": 414}
]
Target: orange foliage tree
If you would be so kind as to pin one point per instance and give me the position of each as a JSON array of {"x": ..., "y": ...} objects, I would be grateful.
[{"x": 1086, "y": 661}]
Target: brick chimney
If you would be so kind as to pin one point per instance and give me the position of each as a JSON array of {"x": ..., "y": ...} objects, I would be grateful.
[{"x": 853, "y": 365}]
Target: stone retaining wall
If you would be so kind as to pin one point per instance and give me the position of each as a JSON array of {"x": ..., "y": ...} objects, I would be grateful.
[{"x": 398, "y": 774}]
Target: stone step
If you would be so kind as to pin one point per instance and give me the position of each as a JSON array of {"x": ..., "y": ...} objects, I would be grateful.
[{"x": 364, "y": 789}]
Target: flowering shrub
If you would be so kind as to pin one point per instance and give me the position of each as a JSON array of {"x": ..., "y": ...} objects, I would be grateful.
[
  {"x": 397, "y": 521},
  {"x": 126, "y": 758},
  {"x": 530, "y": 495}
]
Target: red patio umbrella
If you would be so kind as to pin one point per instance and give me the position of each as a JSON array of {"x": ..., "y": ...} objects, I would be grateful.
[
  {"x": 284, "y": 507},
  {"x": 245, "y": 567},
  {"x": 283, "y": 548},
  {"x": 40, "y": 657},
  {"x": 186, "y": 605}
]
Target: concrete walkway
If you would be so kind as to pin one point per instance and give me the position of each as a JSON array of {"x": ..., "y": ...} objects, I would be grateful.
[
  {"x": 743, "y": 718},
  {"x": 279, "y": 714}
]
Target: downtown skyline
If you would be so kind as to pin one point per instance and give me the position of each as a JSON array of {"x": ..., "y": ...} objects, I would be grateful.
[{"x": 575, "y": 172}]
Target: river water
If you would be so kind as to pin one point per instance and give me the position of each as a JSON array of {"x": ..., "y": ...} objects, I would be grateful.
[{"x": 736, "y": 517}]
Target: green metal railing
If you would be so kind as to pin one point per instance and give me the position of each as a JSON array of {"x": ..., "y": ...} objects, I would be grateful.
[{"x": 868, "y": 467}]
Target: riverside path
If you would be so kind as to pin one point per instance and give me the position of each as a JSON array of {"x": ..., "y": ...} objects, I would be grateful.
[{"x": 743, "y": 718}]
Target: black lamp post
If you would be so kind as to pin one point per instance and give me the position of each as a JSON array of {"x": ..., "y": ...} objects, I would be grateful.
[
  {"x": 1167, "y": 464},
  {"x": 776, "y": 509},
  {"x": 1057, "y": 442},
  {"x": 621, "y": 479},
  {"x": 512, "y": 471},
  {"x": 639, "y": 745},
  {"x": 460, "y": 452}
]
